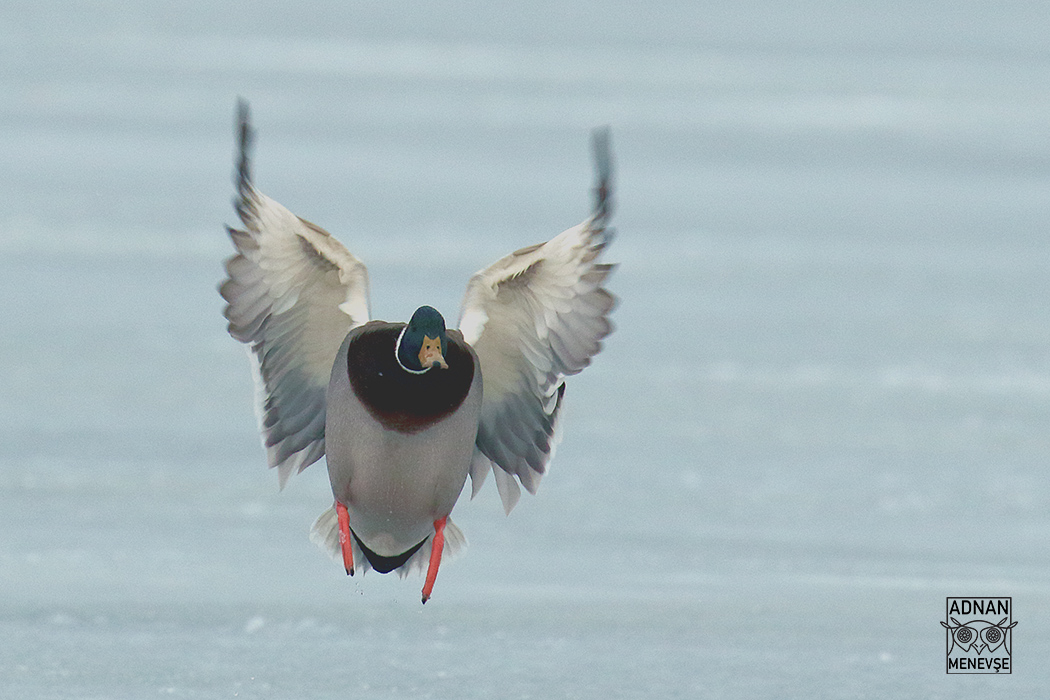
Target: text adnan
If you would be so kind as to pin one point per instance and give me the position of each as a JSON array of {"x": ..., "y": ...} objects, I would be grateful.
[{"x": 979, "y": 606}]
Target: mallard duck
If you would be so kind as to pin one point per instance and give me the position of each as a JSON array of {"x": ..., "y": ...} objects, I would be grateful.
[{"x": 404, "y": 412}]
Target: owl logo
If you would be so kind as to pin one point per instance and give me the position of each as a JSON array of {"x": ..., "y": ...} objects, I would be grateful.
[{"x": 977, "y": 636}]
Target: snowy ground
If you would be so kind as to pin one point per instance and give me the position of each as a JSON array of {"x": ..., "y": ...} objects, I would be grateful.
[{"x": 825, "y": 409}]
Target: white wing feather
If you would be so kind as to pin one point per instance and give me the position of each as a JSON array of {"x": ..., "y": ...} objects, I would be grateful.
[
  {"x": 293, "y": 293},
  {"x": 535, "y": 317}
]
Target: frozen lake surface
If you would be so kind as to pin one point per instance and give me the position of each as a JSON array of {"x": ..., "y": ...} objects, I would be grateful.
[{"x": 825, "y": 409}]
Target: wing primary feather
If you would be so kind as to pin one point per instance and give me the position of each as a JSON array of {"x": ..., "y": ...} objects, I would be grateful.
[
  {"x": 243, "y": 178},
  {"x": 600, "y": 142}
]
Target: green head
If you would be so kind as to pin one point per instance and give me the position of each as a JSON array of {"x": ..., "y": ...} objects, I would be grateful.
[{"x": 423, "y": 342}]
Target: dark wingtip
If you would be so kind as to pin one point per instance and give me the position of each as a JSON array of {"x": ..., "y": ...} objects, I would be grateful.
[
  {"x": 601, "y": 145},
  {"x": 243, "y": 174}
]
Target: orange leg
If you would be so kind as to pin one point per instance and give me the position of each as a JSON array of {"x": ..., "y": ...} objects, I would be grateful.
[
  {"x": 436, "y": 546},
  {"x": 344, "y": 538}
]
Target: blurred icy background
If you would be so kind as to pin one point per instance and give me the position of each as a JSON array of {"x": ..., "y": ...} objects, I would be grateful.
[{"x": 826, "y": 407}]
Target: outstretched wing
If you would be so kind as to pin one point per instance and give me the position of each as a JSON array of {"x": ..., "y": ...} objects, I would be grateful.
[
  {"x": 293, "y": 294},
  {"x": 535, "y": 317}
]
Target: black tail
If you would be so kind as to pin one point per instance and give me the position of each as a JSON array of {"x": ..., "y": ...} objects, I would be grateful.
[{"x": 385, "y": 565}]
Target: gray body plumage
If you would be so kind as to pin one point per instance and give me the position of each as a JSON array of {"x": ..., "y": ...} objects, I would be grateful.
[{"x": 394, "y": 483}]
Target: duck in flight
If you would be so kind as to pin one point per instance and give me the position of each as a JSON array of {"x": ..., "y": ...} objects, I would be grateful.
[{"x": 404, "y": 412}]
